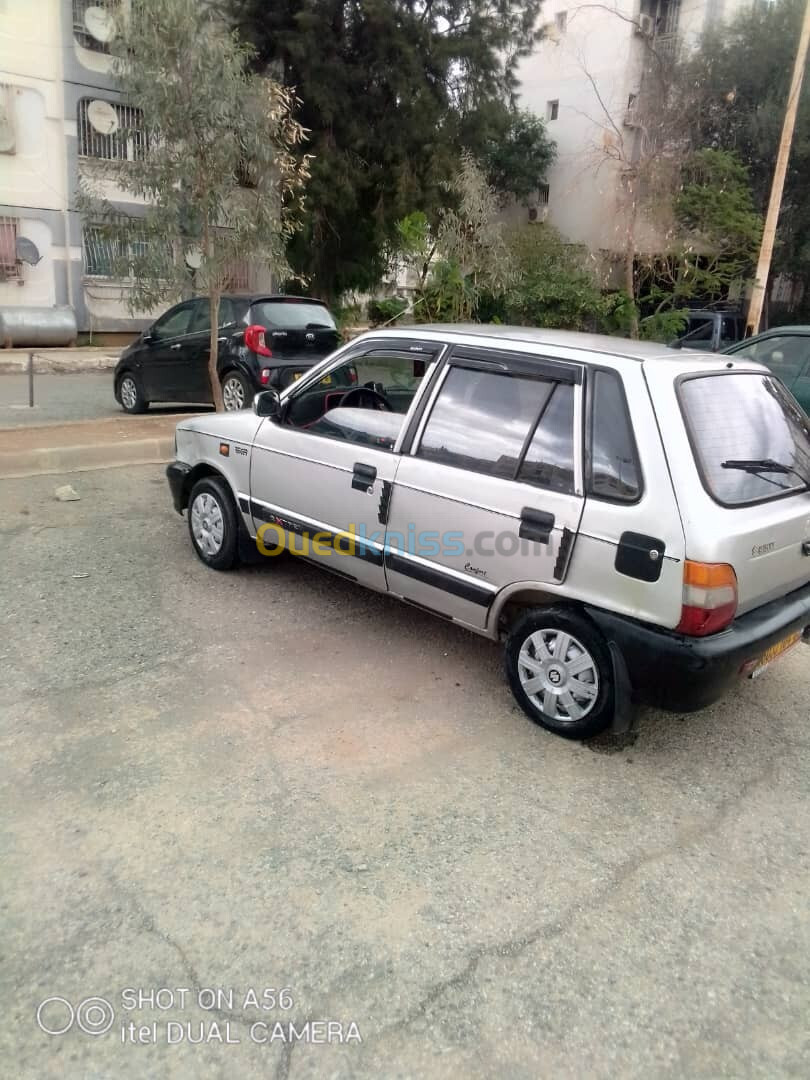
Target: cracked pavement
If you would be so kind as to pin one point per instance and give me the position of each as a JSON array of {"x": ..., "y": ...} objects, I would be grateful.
[{"x": 269, "y": 779}]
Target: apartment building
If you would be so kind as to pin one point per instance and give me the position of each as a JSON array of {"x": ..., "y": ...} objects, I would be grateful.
[
  {"x": 61, "y": 117},
  {"x": 585, "y": 79}
]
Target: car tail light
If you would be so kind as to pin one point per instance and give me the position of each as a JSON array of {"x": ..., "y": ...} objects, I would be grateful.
[
  {"x": 254, "y": 339},
  {"x": 264, "y": 378},
  {"x": 709, "y": 598}
]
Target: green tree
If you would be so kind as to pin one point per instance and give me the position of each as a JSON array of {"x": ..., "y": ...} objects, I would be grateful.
[
  {"x": 519, "y": 155},
  {"x": 218, "y": 166},
  {"x": 392, "y": 90}
]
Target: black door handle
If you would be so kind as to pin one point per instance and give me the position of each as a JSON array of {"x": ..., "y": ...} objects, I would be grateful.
[
  {"x": 363, "y": 476},
  {"x": 535, "y": 525}
]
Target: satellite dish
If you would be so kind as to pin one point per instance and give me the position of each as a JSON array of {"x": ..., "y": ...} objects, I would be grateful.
[
  {"x": 194, "y": 259},
  {"x": 27, "y": 251},
  {"x": 103, "y": 117},
  {"x": 99, "y": 23}
]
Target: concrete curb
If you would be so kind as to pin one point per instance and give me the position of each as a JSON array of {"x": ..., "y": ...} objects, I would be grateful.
[
  {"x": 15, "y": 362},
  {"x": 65, "y": 459}
]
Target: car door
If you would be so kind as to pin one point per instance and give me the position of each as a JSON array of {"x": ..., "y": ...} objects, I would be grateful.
[
  {"x": 491, "y": 493},
  {"x": 320, "y": 480},
  {"x": 161, "y": 364},
  {"x": 196, "y": 350}
]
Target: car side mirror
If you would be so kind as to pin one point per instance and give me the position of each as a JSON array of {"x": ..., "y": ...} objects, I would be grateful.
[
  {"x": 147, "y": 337},
  {"x": 267, "y": 403}
]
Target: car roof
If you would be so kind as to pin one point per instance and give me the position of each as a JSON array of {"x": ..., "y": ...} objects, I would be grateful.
[
  {"x": 617, "y": 347},
  {"x": 780, "y": 330}
]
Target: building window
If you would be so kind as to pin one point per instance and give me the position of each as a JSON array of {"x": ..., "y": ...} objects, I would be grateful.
[
  {"x": 238, "y": 277},
  {"x": 542, "y": 195},
  {"x": 110, "y": 132},
  {"x": 8, "y": 141},
  {"x": 9, "y": 267},
  {"x": 561, "y": 20},
  {"x": 106, "y": 255},
  {"x": 94, "y": 23},
  {"x": 552, "y": 110}
]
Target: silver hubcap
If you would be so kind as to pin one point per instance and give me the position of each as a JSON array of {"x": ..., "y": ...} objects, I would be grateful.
[
  {"x": 207, "y": 523},
  {"x": 233, "y": 394},
  {"x": 559, "y": 675},
  {"x": 129, "y": 393}
]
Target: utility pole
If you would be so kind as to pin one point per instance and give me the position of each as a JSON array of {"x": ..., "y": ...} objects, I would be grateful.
[{"x": 778, "y": 185}]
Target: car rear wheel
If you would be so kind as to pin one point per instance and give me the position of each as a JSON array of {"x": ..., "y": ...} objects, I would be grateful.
[
  {"x": 212, "y": 523},
  {"x": 560, "y": 672},
  {"x": 131, "y": 395},
  {"x": 235, "y": 391}
]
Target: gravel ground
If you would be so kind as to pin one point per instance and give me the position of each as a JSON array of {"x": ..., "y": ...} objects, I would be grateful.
[{"x": 266, "y": 779}]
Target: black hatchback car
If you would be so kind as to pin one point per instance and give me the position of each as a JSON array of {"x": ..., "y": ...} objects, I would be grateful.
[{"x": 264, "y": 342}]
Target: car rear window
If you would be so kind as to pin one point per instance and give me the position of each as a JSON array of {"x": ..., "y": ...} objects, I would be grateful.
[
  {"x": 292, "y": 315},
  {"x": 750, "y": 420}
]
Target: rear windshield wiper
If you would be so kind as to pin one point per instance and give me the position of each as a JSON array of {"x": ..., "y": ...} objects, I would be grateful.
[{"x": 764, "y": 465}]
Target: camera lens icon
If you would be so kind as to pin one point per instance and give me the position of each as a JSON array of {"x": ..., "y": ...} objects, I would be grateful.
[{"x": 93, "y": 1016}]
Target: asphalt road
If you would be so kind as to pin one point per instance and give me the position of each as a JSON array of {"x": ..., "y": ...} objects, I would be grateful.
[
  {"x": 265, "y": 779},
  {"x": 63, "y": 398}
]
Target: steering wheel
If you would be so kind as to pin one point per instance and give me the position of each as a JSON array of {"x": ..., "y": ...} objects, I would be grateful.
[{"x": 364, "y": 397}]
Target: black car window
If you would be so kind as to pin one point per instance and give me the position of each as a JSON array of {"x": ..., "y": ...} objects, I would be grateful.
[
  {"x": 291, "y": 314},
  {"x": 174, "y": 323},
  {"x": 482, "y": 421},
  {"x": 201, "y": 319},
  {"x": 613, "y": 468},
  {"x": 784, "y": 354}
]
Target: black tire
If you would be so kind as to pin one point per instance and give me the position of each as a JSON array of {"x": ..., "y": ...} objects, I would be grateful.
[
  {"x": 131, "y": 396},
  {"x": 215, "y": 506},
  {"x": 241, "y": 386},
  {"x": 593, "y": 692}
]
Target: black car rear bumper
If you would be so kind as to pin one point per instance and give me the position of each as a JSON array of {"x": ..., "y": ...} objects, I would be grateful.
[
  {"x": 176, "y": 474},
  {"x": 683, "y": 674}
]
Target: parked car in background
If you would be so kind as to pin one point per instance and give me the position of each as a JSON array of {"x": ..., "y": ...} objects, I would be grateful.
[
  {"x": 264, "y": 341},
  {"x": 632, "y": 523},
  {"x": 711, "y": 331},
  {"x": 786, "y": 351}
]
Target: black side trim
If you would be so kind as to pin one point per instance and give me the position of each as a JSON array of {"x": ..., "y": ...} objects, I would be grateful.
[
  {"x": 341, "y": 542},
  {"x": 363, "y": 476},
  {"x": 564, "y": 553},
  {"x": 244, "y": 504},
  {"x": 466, "y": 590},
  {"x": 639, "y": 556},
  {"x": 385, "y": 502}
]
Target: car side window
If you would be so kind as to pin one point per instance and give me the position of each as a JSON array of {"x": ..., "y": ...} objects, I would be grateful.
[
  {"x": 364, "y": 400},
  {"x": 201, "y": 319},
  {"x": 613, "y": 466},
  {"x": 174, "y": 323},
  {"x": 785, "y": 355},
  {"x": 502, "y": 425}
]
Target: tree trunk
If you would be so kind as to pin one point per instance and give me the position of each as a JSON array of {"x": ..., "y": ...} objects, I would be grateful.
[
  {"x": 630, "y": 257},
  {"x": 213, "y": 376}
]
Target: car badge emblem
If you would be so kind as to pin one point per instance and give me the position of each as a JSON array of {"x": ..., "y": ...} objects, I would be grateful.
[{"x": 310, "y": 337}]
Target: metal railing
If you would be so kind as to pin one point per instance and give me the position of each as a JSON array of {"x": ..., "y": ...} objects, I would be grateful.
[
  {"x": 127, "y": 143},
  {"x": 9, "y": 266}
]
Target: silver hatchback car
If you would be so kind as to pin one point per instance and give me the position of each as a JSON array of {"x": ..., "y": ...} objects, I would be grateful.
[{"x": 633, "y": 522}]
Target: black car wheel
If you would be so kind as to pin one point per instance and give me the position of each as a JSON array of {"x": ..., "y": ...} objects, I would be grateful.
[
  {"x": 212, "y": 523},
  {"x": 560, "y": 672},
  {"x": 235, "y": 391},
  {"x": 131, "y": 395}
]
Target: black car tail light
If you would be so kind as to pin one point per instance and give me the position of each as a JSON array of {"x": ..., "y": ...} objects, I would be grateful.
[{"x": 254, "y": 339}]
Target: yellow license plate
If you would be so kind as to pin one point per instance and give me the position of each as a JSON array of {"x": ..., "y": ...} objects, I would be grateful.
[{"x": 775, "y": 651}]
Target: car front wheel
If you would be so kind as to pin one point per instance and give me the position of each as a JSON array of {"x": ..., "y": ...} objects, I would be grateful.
[
  {"x": 560, "y": 672},
  {"x": 212, "y": 523},
  {"x": 131, "y": 395}
]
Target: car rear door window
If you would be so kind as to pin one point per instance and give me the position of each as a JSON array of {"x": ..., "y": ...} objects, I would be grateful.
[
  {"x": 749, "y": 420},
  {"x": 503, "y": 425},
  {"x": 173, "y": 323},
  {"x": 614, "y": 471}
]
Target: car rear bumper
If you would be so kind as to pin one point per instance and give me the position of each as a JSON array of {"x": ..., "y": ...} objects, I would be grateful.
[
  {"x": 683, "y": 674},
  {"x": 176, "y": 474}
]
